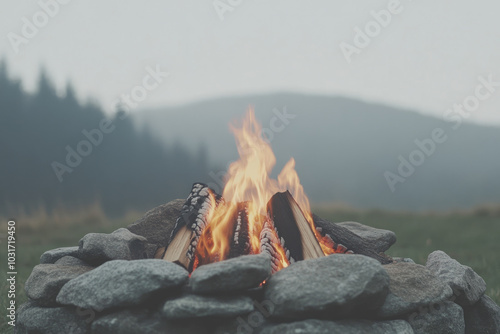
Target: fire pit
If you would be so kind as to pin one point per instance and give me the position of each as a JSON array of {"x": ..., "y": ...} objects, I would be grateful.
[
  {"x": 253, "y": 259},
  {"x": 256, "y": 214}
]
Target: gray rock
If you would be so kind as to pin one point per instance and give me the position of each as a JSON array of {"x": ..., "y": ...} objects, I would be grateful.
[
  {"x": 381, "y": 240},
  {"x": 136, "y": 321},
  {"x": 72, "y": 261},
  {"x": 122, "y": 283},
  {"x": 334, "y": 286},
  {"x": 157, "y": 224},
  {"x": 482, "y": 317},
  {"x": 412, "y": 286},
  {"x": 244, "y": 272},
  {"x": 97, "y": 248},
  {"x": 33, "y": 319},
  {"x": 343, "y": 326},
  {"x": 468, "y": 286},
  {"x": 150, "y": 250},
  {"x": 246, "y": 324},
  {"x": 46, "y": 280},
  {"x": 195, "y": 306},
  {"x": 403, "y": 259},
  {"x": 53, "y": 255},
  {"x": 443, "y": 318}
]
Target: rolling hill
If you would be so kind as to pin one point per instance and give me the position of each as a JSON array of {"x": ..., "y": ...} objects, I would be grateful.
[{"x": 344, "y": 148}]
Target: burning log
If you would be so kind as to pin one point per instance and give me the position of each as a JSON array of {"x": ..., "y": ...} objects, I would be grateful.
[
  {"x": 285, "y": 234},
  {"x": 347, "y": 240},
  {"x": 270, "y": 244},
  {"x": 210, "y": 230},
  {"x": 292, "y": 227},
  {"x": 189, "y": 226},
  {"x": 240, "y": 243}
]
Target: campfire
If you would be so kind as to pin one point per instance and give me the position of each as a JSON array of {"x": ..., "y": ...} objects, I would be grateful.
[
  {"x": 224, "y": 263},
  {"x": 255, "y": 214}
]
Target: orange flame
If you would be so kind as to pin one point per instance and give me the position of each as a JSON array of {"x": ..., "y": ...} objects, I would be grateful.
[{"x": 248, "y": 180}]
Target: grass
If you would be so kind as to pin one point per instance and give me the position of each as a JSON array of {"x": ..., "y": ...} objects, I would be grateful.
[{"x": 470, "y": 237}]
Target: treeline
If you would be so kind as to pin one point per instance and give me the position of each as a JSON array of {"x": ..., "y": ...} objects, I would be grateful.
[{"x": 56, "y": 151}]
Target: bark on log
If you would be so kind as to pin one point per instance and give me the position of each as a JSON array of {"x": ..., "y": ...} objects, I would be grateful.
[
  {"x": 240, "y": 242},
  {"x": 353, "y": 242},
  {"x": 190, "y": 224}
]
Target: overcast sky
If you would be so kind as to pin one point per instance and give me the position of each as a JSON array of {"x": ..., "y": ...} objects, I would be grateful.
[{"x": 427, "y": 58}]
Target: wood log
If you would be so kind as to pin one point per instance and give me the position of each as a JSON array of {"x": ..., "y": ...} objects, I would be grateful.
[
  {"x": 197, "y": 204},
  {"x": 189, "y": 226},
  {"x": 346, "y": 239},
  {"x": 160, "y": 252},
  {"x": 177, "y": 251},
  {"x": 269, "y": 243},
  {"x": 292, "y": 227},
  {"x": 240, "y": 241}
]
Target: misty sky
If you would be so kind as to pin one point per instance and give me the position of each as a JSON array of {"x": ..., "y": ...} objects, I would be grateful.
[{"x": 427, "y": 58}]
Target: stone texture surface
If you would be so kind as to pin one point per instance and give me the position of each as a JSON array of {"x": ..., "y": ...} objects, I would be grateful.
[
  {"x": 403, "y": 259},
  {"x": 468, "y": 286},
  {"x": 53, "y": 255},
  {"x": 157, "y": 224},
  {"x": 443, "y": 318},
  {"x": 97, "y": 248},
  {"x": 381, "y": 240},
  {"x": 329, "y": 287},
  {"x": 482, "y": 317},
  {"x": 412, "y": 286},
  {"x": 236, "y": 274},
  {"x": 246, "y": 324},
  {"x": 46, "y": 280},
  {"x": 71, "y": 261},
  {"x": 122, "y": 283},
  {"x": 195, "y": 306},
  {"x": 343, "y": 326},
  {"x": 138, "y": 321},
  {"x": 33, "y": 319}
]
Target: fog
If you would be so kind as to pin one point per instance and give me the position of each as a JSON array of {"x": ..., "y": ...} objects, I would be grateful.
[
  {"x": 427, "y": 56},
  {"x": 395, "y": 104}
]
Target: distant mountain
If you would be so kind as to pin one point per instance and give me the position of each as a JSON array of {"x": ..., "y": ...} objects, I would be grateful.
[{"x": 344, "y": 148}]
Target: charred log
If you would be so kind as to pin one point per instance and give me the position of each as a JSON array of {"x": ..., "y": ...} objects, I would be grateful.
[
  {"x": 346, "y": 241},
  {"x": 292, "y": 227},
  {"x": 190, "y": 225},
  {"x": 240, "y": 242},
  {"x": 286, "y": 235},
  {"x": 196, "y": 206},
  {"x": 270, "y": 243}
]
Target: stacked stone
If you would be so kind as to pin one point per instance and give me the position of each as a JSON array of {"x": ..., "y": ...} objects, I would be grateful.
[{"x": 110, "y": 284}]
